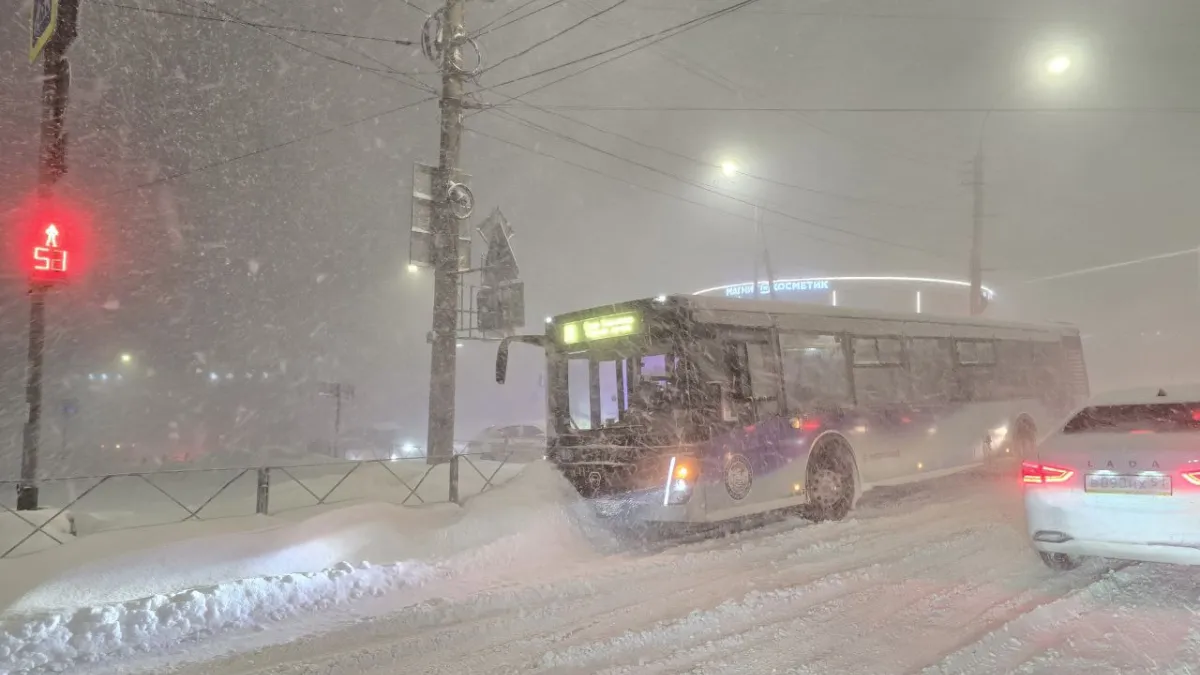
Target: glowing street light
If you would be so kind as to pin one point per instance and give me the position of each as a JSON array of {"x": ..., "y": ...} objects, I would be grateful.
[
  {"x": 413, "y": 269},
  {"x": 1059, "y": 64},
  {"x": 126, "y": 358},
  {"x": 729, "y": 169}
]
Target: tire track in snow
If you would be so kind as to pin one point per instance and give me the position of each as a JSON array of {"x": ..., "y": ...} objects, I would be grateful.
[
  {"x": 876, "y": 594},
  {"x": 747, "y": 582},
  {"x": 720, "y": 582},
  {"x": 1098, "y": 623}
]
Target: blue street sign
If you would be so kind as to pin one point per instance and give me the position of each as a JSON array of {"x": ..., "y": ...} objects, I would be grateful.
[{"x": 42, "y": 22}]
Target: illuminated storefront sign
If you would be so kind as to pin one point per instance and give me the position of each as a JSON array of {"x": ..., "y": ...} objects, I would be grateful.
[
  {"x": 831, "y": 285},
  {"x": 784, "y": 286},
  {"x": 599, "y": 328}
]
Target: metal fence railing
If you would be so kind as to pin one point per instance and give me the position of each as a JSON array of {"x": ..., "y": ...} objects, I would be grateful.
[{"x": 113, "y": 501}]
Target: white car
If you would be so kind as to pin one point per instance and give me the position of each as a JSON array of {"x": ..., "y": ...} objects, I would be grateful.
[{"x": 1121, "y": 479}]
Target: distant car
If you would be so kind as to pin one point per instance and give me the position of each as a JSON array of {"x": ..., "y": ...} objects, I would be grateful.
[
  {"x": 1121, "y": 479},
  {"x": 513, "y": 443}
]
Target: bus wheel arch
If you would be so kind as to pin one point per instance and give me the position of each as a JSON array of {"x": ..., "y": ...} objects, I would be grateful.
[{"x": 832, "y": 480}]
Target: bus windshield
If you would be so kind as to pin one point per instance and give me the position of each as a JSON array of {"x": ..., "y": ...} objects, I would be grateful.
[{"x": 616, "y": 387}]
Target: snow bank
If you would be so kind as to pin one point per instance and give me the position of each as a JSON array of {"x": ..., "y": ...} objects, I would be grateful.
[
  {"x": 131, "y": 564},
  {"x": 56, "y": 641},
  {"x": 120, "y": 593}
]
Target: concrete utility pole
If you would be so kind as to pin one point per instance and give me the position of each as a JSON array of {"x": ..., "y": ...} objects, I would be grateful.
[
  {"x": 53, "y": 28},
  {"x": 766, "y": 254},
  {"x": 443, "y": 363},
  {"x": 977, "y": 236},
  {"x": 339, "y": 392}
]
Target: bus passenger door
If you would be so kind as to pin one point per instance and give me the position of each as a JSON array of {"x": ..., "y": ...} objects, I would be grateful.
[
  {"x": 746, "y": 459},
  {"x": 883, "y": 428}
]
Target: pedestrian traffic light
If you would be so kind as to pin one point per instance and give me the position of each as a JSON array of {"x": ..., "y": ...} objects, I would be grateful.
[
  {"x": 52, "y": 245},
  {"x": 50, "y": 257}
]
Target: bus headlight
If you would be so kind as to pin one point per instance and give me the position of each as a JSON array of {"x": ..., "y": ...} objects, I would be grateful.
[{"x": 682, "y": 473}]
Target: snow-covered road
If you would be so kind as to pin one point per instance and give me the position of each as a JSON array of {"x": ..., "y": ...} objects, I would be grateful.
[{"x": 936, "y": 578}]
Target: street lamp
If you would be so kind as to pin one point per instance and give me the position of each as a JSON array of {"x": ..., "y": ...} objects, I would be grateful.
[
  {"x": 413, "y": 269},
  {"x": 1058, "y": 64},
  {"x": 731, "y": 170},
  {"x": 126, "y": 358}
]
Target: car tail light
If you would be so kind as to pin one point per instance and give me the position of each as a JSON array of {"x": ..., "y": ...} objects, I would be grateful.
[
  {"x": 1033, "y": 472},
  {"x": 806, "y": 424},
  {"x": 682, "y": 473},
  {"x": 1192, "y": 477}
]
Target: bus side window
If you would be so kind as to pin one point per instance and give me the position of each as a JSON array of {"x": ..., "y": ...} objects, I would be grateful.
[
  {"x": 976, "y": 369},
  {"x": 814, "y": 370},
  {"x": 931, "y": 370},
  {"x": 756, "y": 382},
  {"x": 879, "y": 377}
]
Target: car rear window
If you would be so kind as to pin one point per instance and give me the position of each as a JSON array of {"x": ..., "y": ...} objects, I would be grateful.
[{"x": 1147, "y": 417}]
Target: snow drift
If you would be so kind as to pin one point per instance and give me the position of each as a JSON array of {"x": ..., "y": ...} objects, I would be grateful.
[
  {"x": 55, "y": 640},
  {"x": 123, "y": 600}
]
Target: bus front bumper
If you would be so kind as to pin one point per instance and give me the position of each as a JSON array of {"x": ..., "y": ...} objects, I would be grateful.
[{"x": 641, "y": 506}]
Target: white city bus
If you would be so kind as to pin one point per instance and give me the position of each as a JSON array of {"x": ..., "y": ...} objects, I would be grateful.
[{"x": 701, "y": 409}]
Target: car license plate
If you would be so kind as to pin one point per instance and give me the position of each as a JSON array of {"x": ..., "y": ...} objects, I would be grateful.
[{"x": 1146, "y": 484}]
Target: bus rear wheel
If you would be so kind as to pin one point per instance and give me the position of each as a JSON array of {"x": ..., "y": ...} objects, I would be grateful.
[{"x": 830, "y": 482}]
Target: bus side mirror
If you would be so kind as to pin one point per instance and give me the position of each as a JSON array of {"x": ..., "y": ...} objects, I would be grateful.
[{"x": 502, "y": 352}]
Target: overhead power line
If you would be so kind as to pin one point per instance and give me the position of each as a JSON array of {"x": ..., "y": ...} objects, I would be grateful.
[
  {"x": 652, "y": 40},
  {"x": 388, "y": 74},
  {"x": 639, "y": 186},
  {"x": 419, "y": 8},
  {"x": 275, "y": 146},
  {"x": 646, "y": 39},
  {"x": 557, "y": 35},
  {"x": 712, "y": 165},
  {"x": 388, "y": 68},
  {"x": 706, "y": 188},
  {"x": 664, "y": 150},
  {"x": 486, "y": 28},
  {"x": 873, "y": 110},
  {"x": 290, "y": 29},
  {"x": 744, "y": 91}
]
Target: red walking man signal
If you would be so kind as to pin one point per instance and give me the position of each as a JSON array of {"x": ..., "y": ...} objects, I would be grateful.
[{"x": 50, "y": 256}]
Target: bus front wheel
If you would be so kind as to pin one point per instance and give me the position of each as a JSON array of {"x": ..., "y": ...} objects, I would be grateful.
[{"x": 830, "y": 482}]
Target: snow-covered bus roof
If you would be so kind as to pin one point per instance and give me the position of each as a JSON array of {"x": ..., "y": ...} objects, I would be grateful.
[{"x": 800, "y": 316}]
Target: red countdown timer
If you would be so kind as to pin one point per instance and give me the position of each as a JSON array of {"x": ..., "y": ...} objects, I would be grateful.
[
  {"x": 54, "y": 243},
  {"x": 51, "y": 259}
]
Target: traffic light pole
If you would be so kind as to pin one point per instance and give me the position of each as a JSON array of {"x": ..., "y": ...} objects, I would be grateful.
[
  {"x": 52, "y": 165},
  {"x": 443, "y": 362},
  {"x": 27, "y": 490}
]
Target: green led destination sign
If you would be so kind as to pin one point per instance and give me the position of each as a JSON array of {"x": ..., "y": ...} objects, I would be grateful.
[{"x": 601, "y": 327}]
